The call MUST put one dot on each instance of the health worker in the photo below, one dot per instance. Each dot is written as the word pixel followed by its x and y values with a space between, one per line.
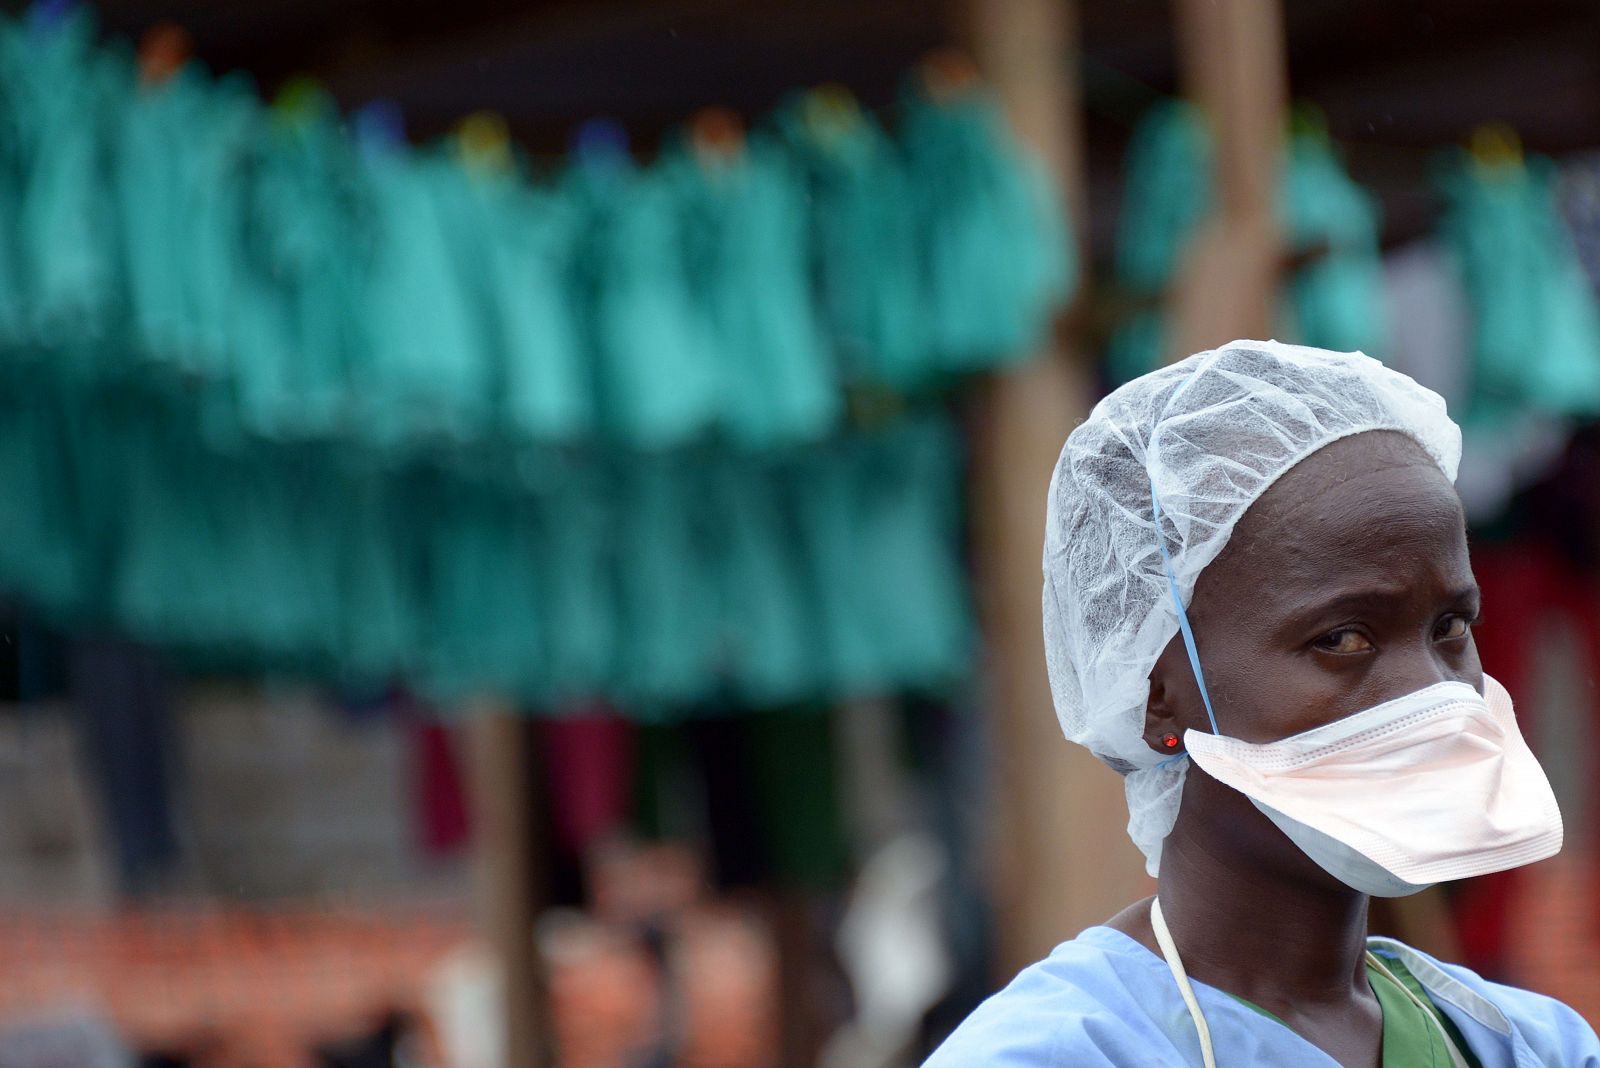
pixel 1258 609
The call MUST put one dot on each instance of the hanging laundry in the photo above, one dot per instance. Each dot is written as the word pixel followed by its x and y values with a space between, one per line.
pixel 745 255
pixel 58 93
pixel 520 241
pixel 1336 299
pixel 1536 327
pixel 120 693
pixel 864 254
pixel 879 521
pixel 1333 301
pixel 769 625
pixel 481 564
pixel 657 382
pixel 283 395
pixel 304 235
pixel 425 365
pixel 45 552
pixel 1167 188
pixel 667 650
pixel 1578 194
pixel 587 755
pixel 1431 329
pixel 997 254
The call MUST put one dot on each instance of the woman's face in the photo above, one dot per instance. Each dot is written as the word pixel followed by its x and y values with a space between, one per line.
pixel 1345 585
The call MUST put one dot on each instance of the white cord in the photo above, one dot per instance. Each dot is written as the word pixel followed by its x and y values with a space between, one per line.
pixel 1169 950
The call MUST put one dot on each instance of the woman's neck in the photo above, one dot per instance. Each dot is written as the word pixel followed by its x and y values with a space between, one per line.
pixel 1277 938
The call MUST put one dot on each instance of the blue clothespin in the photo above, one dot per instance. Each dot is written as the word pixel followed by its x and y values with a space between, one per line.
pixel 379 127
pixel 46 16
pixel 601 144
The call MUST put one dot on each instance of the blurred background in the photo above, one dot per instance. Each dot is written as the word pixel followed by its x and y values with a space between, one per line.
pixel 519 522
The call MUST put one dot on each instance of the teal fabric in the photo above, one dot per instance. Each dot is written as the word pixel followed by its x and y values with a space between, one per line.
pixel 656 375
pixel 276 400
pixel 864 241
pixel 307 291
pixel 60 91
pixel 657 581
pixel 1167 191
pixel 1536 330
pixel 1335 301
pixel 744 237
pixel 992 232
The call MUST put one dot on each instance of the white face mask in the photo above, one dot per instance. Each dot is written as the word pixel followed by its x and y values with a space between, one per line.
pixel 1435 785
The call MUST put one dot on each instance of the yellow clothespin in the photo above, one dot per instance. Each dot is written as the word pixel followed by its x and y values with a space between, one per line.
pixel 301 101
pixel 1495 148
pixel 1307 119
pixel 830 111
pixel 483 143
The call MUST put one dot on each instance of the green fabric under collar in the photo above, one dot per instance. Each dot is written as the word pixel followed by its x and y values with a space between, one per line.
pixel 1409 1038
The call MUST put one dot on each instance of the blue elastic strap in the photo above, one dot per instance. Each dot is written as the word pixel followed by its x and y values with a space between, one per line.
pixel 1183 620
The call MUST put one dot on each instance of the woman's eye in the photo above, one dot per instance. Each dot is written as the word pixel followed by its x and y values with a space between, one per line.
pixel 1344 641
pixel 1454 627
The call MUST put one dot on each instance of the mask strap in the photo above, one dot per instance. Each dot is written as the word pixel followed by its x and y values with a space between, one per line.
pixel 1183 617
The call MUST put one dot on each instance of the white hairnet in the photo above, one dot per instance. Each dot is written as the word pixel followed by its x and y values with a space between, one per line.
pixel 1211 434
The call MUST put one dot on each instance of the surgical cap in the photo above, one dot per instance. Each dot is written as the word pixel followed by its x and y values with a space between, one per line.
pixel 1208 435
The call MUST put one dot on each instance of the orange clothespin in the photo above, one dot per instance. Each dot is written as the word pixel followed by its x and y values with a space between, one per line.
pixel 483 143
pixel 163 50
pixel 946 74
pixel 717 135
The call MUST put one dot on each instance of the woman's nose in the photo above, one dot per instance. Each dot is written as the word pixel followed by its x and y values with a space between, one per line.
pixel 1428 663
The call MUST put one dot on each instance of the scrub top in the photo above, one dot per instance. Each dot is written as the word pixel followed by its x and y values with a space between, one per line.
pixel 1105 999
pixel 1410 1040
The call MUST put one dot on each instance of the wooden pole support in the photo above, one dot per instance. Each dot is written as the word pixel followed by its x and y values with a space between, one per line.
pixel 1063 860
pixel 1234 69
pixel 509 876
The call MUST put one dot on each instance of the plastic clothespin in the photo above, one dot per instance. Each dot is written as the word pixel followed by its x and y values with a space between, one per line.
pixel 483 143
pixel 1307 119
pixel 601 145
pixel 830 111
pixel 300 101
pixel 163 50
pixel 947 74
pixel 717 134
pixel 380 128
pixel 46 16
pixel 1495 148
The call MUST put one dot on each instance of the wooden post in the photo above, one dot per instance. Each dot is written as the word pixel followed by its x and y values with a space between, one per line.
pixel 1235 69
pixel 1233 62
pixel 1064 860
pixel 504 839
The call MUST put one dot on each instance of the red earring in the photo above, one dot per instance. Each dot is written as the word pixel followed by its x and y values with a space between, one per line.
pixel 1169 740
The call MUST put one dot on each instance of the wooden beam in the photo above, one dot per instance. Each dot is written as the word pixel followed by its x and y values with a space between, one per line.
pixel 509 876
pixel 1064 862
pixel 1233 64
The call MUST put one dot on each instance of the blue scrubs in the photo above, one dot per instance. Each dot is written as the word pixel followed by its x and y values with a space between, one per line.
pixel 1104 999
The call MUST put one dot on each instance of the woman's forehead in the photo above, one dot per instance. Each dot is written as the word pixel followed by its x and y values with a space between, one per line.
pixel 1372 504
pixel 1376 475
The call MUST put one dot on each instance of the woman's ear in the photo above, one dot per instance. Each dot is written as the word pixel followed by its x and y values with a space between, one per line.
pixel 1161 723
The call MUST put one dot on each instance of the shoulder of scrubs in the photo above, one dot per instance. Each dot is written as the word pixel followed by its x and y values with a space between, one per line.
pixel 1503 1024
pixel 1104 999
